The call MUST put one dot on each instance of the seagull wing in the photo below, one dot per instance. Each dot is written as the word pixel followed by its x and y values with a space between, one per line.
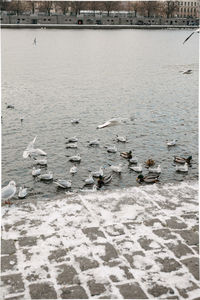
pixel 189 37
pixel 31 144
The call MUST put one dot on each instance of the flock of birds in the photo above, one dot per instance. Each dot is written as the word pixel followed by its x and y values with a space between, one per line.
pixel 38 157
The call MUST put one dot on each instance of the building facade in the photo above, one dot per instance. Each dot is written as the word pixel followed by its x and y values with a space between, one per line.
pixel 188 9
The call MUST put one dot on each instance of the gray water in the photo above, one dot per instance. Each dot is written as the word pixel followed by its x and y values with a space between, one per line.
pixel 95 75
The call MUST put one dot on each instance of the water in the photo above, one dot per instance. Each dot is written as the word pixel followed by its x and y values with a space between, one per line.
pixel 95 75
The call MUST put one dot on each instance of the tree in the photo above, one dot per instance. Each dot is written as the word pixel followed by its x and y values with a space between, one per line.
pixel 46 6
pixel 17 6
pixel 63 5
pixel 93 6
pixel 4 5
pixel 136 6
pixel 149 8
pixel 108 6
pixel 169 8
pixel 77 6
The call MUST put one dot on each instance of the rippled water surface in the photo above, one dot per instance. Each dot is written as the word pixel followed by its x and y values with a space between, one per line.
pixel 95 75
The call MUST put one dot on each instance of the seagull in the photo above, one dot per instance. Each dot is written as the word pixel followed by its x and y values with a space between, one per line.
pixel 138 168
pixel 111 149
pixel 76 158
pixel 75 121
pixel 31 151
pixel 111 122
pixel 73 170
pixel 121 139
pixel 197 30
pixel 8 191
pixel 72 146
pixel 65 184
pixel 171 143
pixel 133 160
pixel 36 172
pixel 10 106
pixel 34 42
pixel 155 170
pixel 187 72
pixel 96 174
pixel 42 162
pixel 89 180
pixel 47 176
pixel 116 169
pixel 95 142
pixel 182 168
pixel 22 192
pixel 72 140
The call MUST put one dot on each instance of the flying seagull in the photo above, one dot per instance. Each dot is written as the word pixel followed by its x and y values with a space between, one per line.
pixel 191 35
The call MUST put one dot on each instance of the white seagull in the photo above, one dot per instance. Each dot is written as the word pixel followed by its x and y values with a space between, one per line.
pixel 73 139
pixel 137 168
pixel 65 184
pixel 111 149
pixel 36 172
pixel 182 168
pixel 95 142
pixel 133 160
pixel 75 121
pixel 111 122
pixel 47 176
pixel 155 170
pixel 116 169
pixel 8 191
pixel 76 158
pixel 171 143
pixel 89 180
pixel 196 31
pixel 121 139
pixel 42 162
pixel 31 151
pixel 96 174
pixel 22 192
pixel 72 146
pixel 73 170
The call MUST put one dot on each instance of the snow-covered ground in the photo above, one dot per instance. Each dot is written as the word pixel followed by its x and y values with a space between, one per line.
pixel 140 242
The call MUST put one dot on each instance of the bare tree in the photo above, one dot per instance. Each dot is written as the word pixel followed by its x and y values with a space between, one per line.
pixel 136 7
pixel 93 6
pixel 77 6
pixel 63 5
pixel 17 6
pixel 108 6
pixel 148 8
pixel 46 6
pixel 4 5
pixel 169 8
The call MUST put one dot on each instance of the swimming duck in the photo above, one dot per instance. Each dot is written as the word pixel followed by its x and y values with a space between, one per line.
pixel 148 178
pixel 22 193
pixel 155 170
pixel 150 162
pixel 137 168
pixel 127 155
pixel 103 180
pixel 182 160
pixel 183 168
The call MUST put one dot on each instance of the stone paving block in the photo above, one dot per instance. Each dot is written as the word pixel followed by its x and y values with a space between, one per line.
pixel 191 238
pixel 43 290
pixel 27 254
pixel 164 233
pixel 114 230
pixel 127 272
pixel 7 247
pixel 8 262
pixel 193 265
pixel 27 241
pixel 74 292
pixel 67 274
pixel 13 282
pixel 132 291
pixel 180 249
pixel 96 288
pixel 56 255
pixel 151 222
pixel 175 223
pixel 158 290
pixel 86 263
pixel 110 252
pixel 145 243
pixel 93 233
pixel 168 264
pixel 184 292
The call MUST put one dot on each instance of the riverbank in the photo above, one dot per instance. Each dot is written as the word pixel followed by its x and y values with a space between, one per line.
pixel 82 26
pixel 135 243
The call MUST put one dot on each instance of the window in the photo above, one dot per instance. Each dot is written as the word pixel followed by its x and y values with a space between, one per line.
pixel 126 20
pixel 188 10
pixel 49 19
pixel 23 19
pixel 191 10
pixel 44 19
pixel 191 3
pixel 188 3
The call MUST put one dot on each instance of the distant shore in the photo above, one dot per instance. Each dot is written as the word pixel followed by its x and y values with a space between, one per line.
pixel 75 26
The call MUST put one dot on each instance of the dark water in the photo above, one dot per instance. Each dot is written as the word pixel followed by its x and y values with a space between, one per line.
pixel 95 75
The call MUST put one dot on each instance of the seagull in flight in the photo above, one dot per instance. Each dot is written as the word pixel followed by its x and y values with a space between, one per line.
pixel 191 35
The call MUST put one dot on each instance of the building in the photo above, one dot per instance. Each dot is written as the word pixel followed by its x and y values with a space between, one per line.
pixel 188 9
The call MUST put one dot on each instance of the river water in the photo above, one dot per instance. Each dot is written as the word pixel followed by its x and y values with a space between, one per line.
pixel 94 75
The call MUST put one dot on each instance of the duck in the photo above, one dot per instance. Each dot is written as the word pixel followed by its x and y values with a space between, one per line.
pixel 171 143
pixel 76 158
pixel 111 149
pixel 36 172
pixel 137 168
pixel 75 121
pixel 107 179
pixel 22 193
pixel 133 160
pixel 97 173
pixel 183 168
pixel 89 180
pixel 46 177
pixel 121 139
pixel 95 142
pixel 127 155
pixel 155 170
pixel 73 170
pixel 150 178
pixel 150 162
pixel 71 145
pixel 182 160
pixel 116 169
pixel 65 184
pixel 7 192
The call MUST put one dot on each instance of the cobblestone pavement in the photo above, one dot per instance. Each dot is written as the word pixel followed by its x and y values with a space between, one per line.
pixel 136 244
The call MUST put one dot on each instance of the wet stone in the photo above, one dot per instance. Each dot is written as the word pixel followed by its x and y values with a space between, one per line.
pixel 184 292
pixel 8 247
pixel 27 241
pixel 180 249
pixel 8 262
pixel 164 233
pixel 96 288
pixel 86 263
pixel 74 292
pixel 174 223
pixel 152 222
pixel 57 254
pixel 27 253
pixel 168 264
pixel 113 230
pixel 131 291
pixel 191 238
pixel 114 278
pixel 127 272
pixel 32 277
pixel 67 274
pixel 93 233
pixel 42 291
pixel 145 243
pixel 110 251
pixel 193 265
pixel 13 282
pixel 158 290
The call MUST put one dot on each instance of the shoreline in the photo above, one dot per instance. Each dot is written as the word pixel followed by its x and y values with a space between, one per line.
pixel 76 26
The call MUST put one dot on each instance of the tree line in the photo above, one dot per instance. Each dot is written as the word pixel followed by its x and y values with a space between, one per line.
pixel 144 8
